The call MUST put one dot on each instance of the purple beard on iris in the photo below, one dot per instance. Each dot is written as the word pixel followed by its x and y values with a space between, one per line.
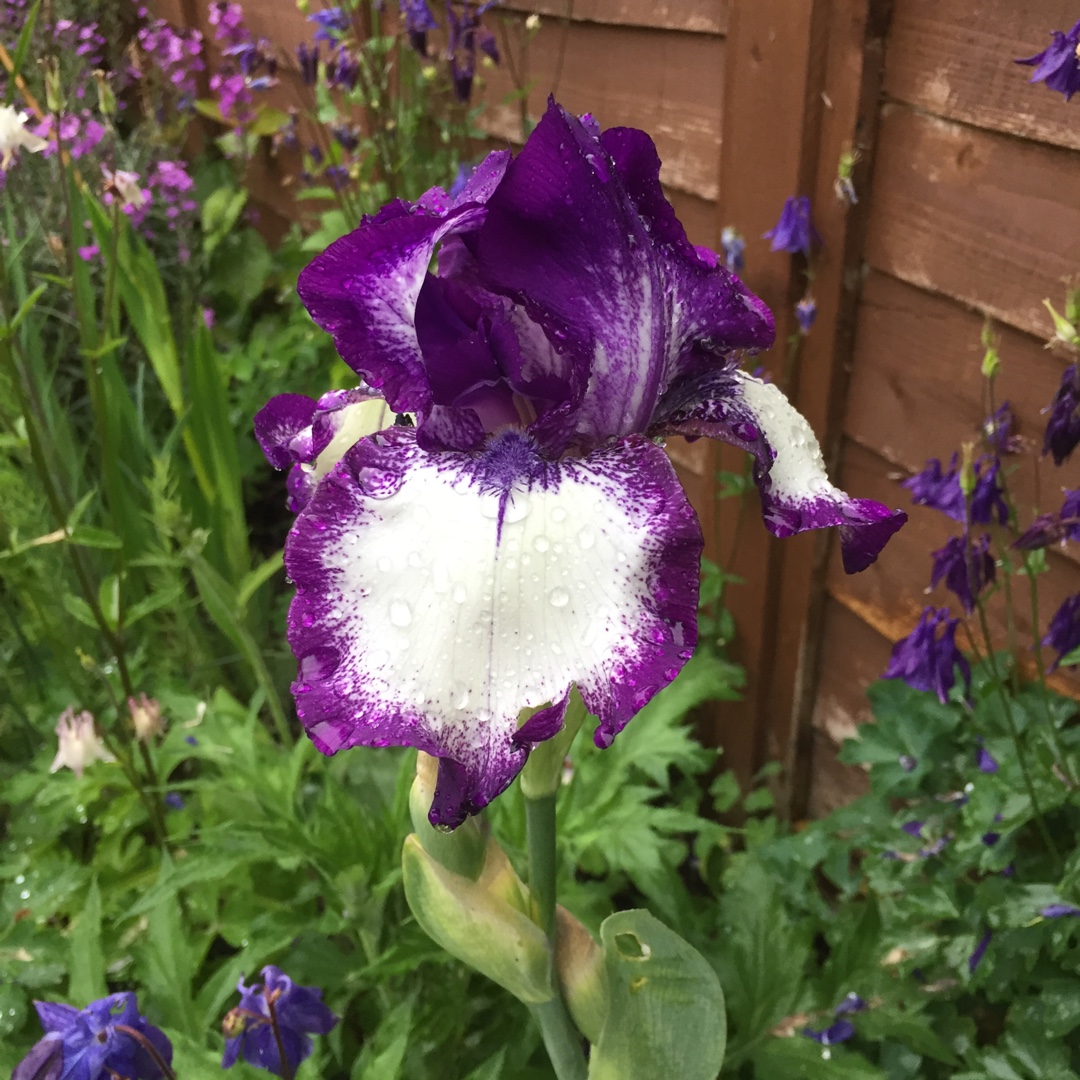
pixel 528 535
pixel 927 660
pixel 1058 65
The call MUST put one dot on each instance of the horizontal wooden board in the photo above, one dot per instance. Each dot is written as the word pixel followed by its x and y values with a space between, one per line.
pixel 668 83
pixel 917 392
pixel 891 594
pixel 987 219
pixel 955 58
pixel 698 16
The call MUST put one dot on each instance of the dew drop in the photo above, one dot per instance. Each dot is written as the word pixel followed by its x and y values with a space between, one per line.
pixel 558 514
pixel 558 597
pixel 541 543
pixel 586 538
pixel 400 615
pixel 384 564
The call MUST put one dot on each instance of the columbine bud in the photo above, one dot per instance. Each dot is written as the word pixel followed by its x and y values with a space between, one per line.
pixel 54 90
pixel 146 717
pixel 79 743
pixel 532 23
pixel 106 97
pixel 991 360
pixel 1064 330
pixel 968 479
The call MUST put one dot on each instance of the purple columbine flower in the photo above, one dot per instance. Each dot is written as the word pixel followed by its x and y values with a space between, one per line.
pixel 418 21
pixel 990 838
pixel 106 1039
pixel 308 59
pixel 966 568
pixel 1058 911
pixel 839 1032
pixel 1058 65
pixel 913 828
pixel 1063 633
pixel 528 534
pixel 1063 427
pixel 926 659
pixel 980 951
pixel 466 35
pixel 941 490
pixel 330 23
pixel 852 1003
pixel 1049 529
pixel 794 232
pixel 999 431
pixel 806 313
pixel 985 761
pixel 296 1012
pixel 908 763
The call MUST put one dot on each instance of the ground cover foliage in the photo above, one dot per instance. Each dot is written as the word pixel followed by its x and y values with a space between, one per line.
pixel 926 930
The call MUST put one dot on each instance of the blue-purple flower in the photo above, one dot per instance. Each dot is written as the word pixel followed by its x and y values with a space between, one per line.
pixel 980 951
pixel 1063 633
pixel 330 24
pixel 1058 65
pixel 274 1018
pixel 733 245
pixel 527 535
pixel 999 431
pixel 794 232
pixel 1049 529
pixel 941 490
pixel 106 1039
pixel 837 1032
pixel 1063 427
pixel 1059 911
pixel 806 313
pixel 467 34
pixel 984 760
pixel 966 567
pixel 418 21
pixel 928 657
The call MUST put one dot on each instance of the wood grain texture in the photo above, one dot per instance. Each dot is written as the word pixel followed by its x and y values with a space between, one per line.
pixel 697 16
pixel 669 83
pixel 989 220
pixel 955 58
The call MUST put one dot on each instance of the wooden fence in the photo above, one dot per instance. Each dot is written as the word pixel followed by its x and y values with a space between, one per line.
pixel 969 207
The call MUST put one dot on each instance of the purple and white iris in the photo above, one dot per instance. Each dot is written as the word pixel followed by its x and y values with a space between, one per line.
pixel 529 533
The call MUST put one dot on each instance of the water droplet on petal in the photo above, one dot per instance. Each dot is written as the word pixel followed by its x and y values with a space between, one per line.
pixel 586 538
pixel 558 514
pixel 460 593
pixel 541 543
pixel 400 614
pixel 558 597
pixel 384 564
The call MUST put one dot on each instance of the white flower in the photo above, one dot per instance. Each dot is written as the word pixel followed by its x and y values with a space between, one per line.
pixel 13 134
pixel 79 743
pixel 124 185
pixel 146 717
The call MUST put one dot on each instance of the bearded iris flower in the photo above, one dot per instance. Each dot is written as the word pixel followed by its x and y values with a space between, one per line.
pixel 528 535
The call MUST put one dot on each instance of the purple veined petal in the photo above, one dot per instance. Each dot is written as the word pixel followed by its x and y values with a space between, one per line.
pixel 1058 911
pixel 796 493
pixel 580 234
pixel 45 1060
pixel 363 289
pixel 278 423
pixel 56 1016
pixel 439 595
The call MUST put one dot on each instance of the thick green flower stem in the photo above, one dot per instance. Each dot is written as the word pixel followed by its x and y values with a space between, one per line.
pixel 561 1039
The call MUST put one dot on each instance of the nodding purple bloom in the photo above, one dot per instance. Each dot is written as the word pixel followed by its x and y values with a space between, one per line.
pixel 985 761
pixel 227 19
pixel 928 657
pixel 466 34
pixel 418 21
pixel 966 568
pixel 936 847
pixel 991 838
pixel 980 951
pixel 852 1003
pixel 348 137
pixel 1058 65
pixel 1058 911
pixel 108 1038
pixel 1063 633
pixel 835 1033
pixel 1056 528
pixel 941 490
pixel 331 23
pixel 295 1011
pixel 1063 427
pixel 908 763
pixel 308 59
pixel 174 800
pixel 733 245
pixel 913 828
pixel 568 324
pixel 794 232
pixel 338 176
pixel 343 70
pixel 999 432
pixel 806 313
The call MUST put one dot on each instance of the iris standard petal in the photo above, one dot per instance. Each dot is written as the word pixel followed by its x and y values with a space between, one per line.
pixel 796 493
pixel 363 289
pixel 440 595
pixel 579 234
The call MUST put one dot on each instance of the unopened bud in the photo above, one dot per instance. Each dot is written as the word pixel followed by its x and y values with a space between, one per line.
pixel 967 469
pixel 106 97
pixel 1064 329
pixel 579 962
pixel 991 362
pixel 473 921
pixel 54 90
